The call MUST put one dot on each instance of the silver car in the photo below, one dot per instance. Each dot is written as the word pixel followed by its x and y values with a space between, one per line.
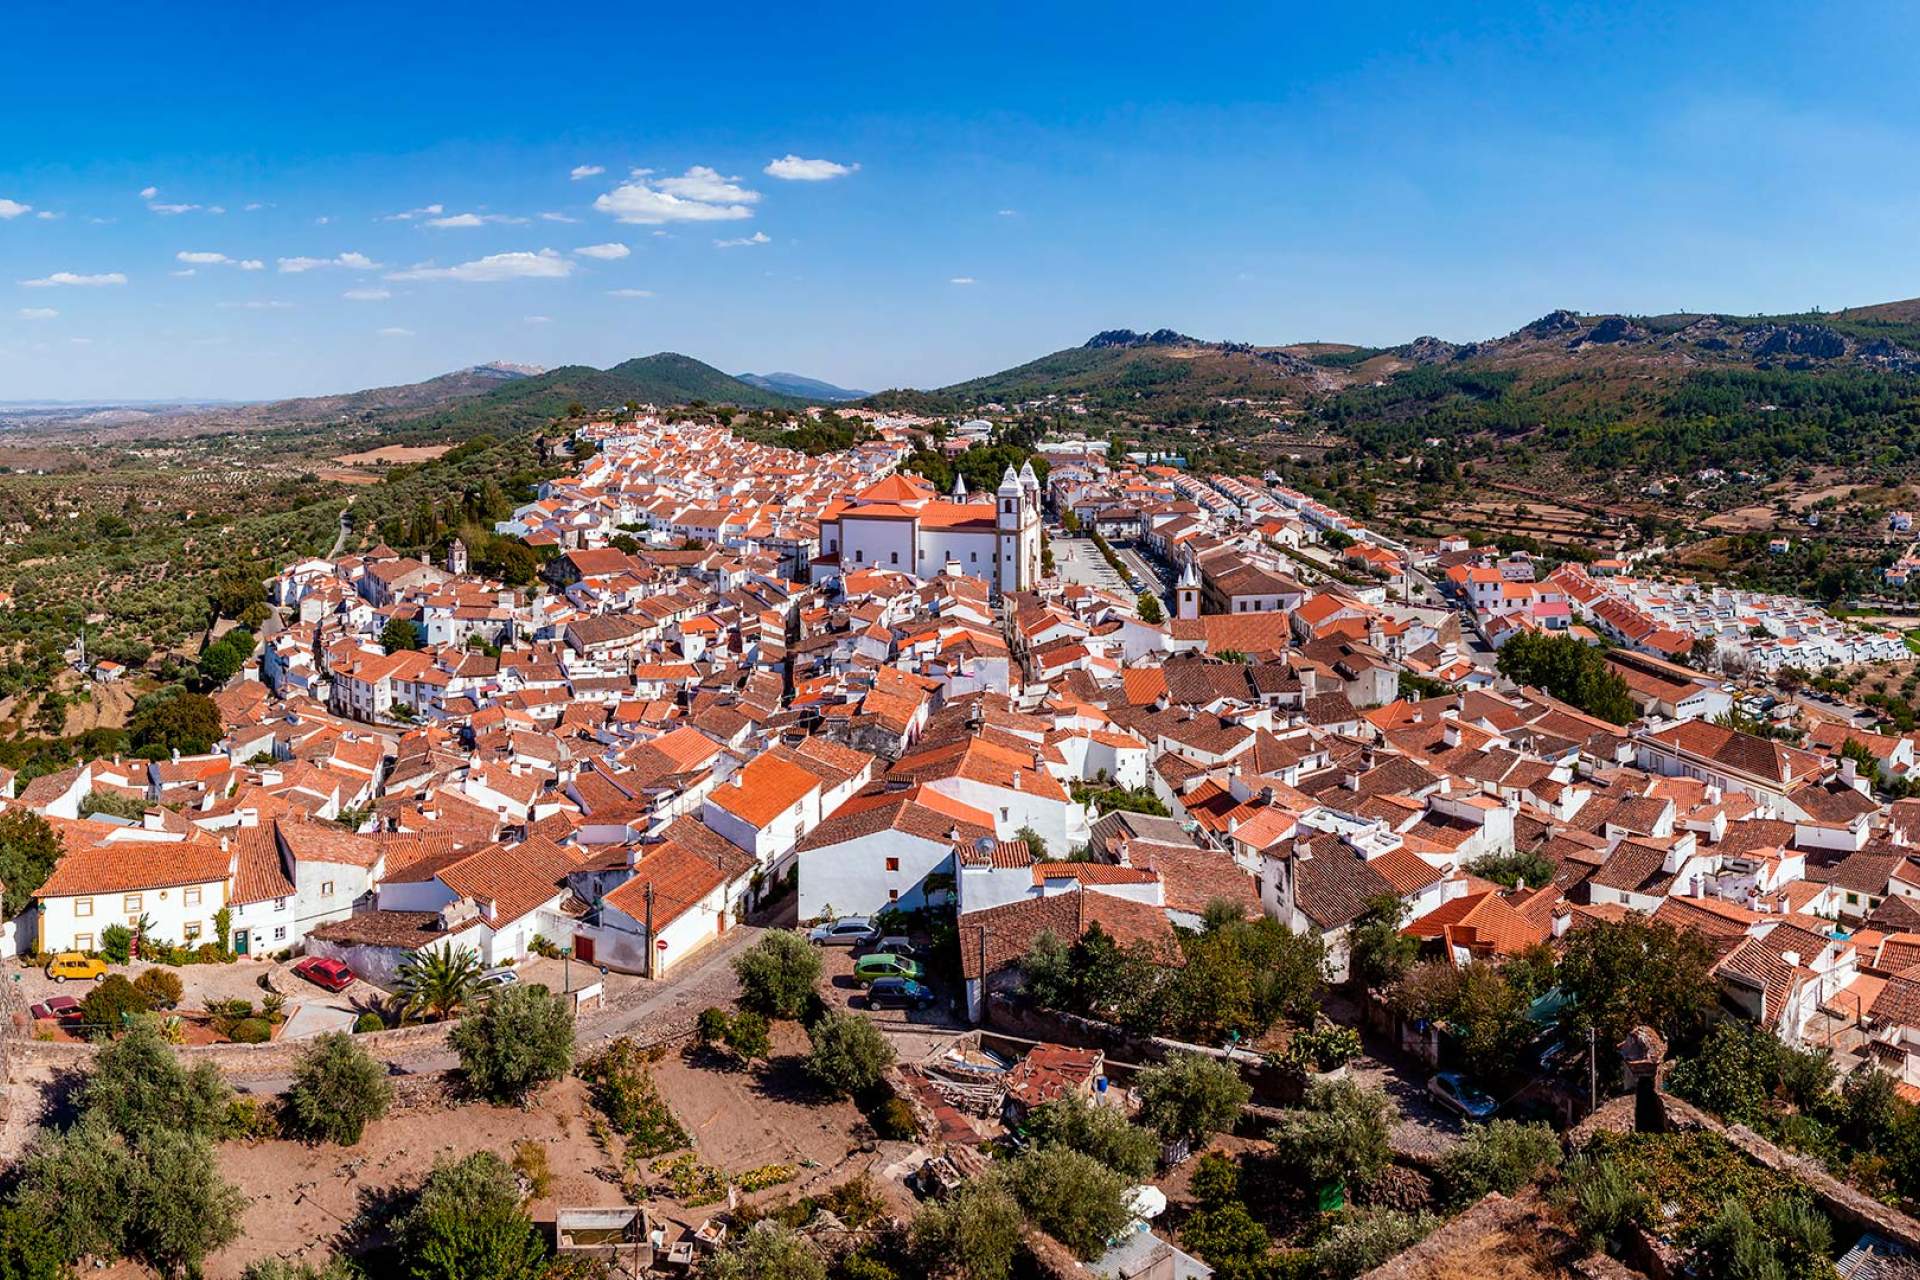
pixel 847 931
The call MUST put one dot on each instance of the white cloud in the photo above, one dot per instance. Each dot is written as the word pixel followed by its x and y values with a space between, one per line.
pixel 48 215
pixel 544 265
pixel 257 304
pixel 394 331
pixel 580 171
pixel 148 193
pixel 71 278
pixel 698 195
pixel 472 220
pixel 539 319
pixel 608 252
pixel 629 293
pixel 81 342
pixel 322 220
pixel 758 237
pixel 37 313
pixel 367 295
pixel 252 206
pixel 351 261
pixel 205 259
pixel 171 210
pixel 1009 213
pixel 557 217
pixel 10 209
pixel 795 169
pixel 184 272
pixel 961 280
pixel 424 211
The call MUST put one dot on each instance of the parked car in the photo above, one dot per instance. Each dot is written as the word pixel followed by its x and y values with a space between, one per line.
pixel 72 966
pixel 898 993
pixel 882 964
pixel 322 972
pixel 847 931
pixel 895 945
pixel 61 1007
pixel 1456 1094
pixel 493 979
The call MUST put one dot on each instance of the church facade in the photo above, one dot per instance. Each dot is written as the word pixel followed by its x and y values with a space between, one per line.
pixel 901 523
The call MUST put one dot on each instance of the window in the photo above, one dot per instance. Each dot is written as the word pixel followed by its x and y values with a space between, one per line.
pixel 859 553
pixel 83 942
pixel 190 897
pixel 280 934
pixel 893 864
pixel 131 904
pixel 192 930
pixel 326 888
pixel 83 907
pixel 1852 899
pixel 894 556
pixel 893 895
pixel 973 557
pixel 279 904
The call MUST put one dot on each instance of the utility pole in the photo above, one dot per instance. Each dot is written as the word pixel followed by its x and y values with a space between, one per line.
pixel 1593 1076
pixel 650 939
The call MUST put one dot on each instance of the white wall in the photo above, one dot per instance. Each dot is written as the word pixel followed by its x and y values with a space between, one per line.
pixel 851 878
pixel 76 923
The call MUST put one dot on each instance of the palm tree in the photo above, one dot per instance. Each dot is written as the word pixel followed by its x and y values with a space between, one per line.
pixel 438 983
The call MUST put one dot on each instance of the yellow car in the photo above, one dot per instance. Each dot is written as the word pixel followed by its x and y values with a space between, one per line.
pixel 72 965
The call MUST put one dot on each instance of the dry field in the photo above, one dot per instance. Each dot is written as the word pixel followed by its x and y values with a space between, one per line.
pixel 393 455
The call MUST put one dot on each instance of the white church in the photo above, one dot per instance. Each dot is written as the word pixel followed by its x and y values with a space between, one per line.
pixel 901 523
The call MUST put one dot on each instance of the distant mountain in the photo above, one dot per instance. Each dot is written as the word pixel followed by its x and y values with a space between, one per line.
pixel 800 386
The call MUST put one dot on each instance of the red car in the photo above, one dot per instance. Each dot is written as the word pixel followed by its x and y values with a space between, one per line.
pixel 61 1007
pixel 322 972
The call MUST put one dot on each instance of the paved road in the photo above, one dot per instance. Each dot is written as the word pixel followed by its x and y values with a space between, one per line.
pixel 340 542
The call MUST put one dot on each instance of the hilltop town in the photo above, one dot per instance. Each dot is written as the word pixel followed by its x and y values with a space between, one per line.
pixel 1144 795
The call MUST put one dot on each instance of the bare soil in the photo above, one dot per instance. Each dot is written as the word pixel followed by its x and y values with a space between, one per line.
pixel 393 455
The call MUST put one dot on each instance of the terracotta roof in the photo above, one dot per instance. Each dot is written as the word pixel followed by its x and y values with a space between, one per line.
pixel 993 939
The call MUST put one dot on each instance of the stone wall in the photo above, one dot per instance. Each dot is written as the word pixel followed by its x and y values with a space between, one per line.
pixel 238 1061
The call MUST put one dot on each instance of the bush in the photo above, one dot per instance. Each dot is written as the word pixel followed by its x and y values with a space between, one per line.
pixel 116 944
pixel 1366 1240
pixel 1228 1238
pixel 711 1027
pixel 1072 1197
pixel 337 1089
pixel 624 1090
pixel 893 1120
pixel 1340 1132
pixel 111 1003
pixel 252 1031
pixel 369 1021
pixel 521 1038
pixel 1603 1200
pixel 281 1269
pixel 766 1252
pixel 1191 1097
pixel 778 975
pixel 850 1055
pixel 162 988
pixel 1503 1156
pixel 1104 1133
pixel 749 1036
pixel 468 1225
pixel 973 1233
pixel 138 1087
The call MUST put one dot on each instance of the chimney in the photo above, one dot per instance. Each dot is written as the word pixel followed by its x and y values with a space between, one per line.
pixel 1016 781
pixel 1123 851
pixel 1792 959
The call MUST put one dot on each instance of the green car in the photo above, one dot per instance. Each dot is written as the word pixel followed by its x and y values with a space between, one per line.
pixel 882 965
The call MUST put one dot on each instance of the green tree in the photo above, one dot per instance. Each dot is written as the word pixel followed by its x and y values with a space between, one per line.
pixel 521 1037
pixel 850 1055
pixel 1230 1240
pixel 1339 1132
pixel 1104 1133
pixel 281 1269
pixel 29 848
pixel 1150 610
pixel 1242 976
pixel 1502 1156
pixel 749 1036
pixel 766 1251
pixel 28 1248
pixel 138 1087
pixel 174 720
pixel 1379 954
pixel 183 1209
pixel 439 982
pixel 1570 670
pixel 1190 1097
pixel 1637 972
pixel 337 1088
pixel 399 634
pixel 1072 1197
pixel 1364 1241
pixel 778 975
pixel 1733 1074
pixel 973 1234
pixel 468 1225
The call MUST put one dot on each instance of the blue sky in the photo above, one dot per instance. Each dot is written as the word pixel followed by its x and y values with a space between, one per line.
pixel 963 189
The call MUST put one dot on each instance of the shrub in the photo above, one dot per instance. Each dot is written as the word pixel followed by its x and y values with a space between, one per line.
pixel 162 988
pixel 893 1120
pixel 521 1038
pixel 849 1056
pixel 530 1162
pixel 116 944
pixel 1228 1238
pixel 337 1089
pixel 252 1031
pixel 1603 1199
pixel 281 1269
pixel 110 1005
pixel 468 1225
pixel 138 1087
pixel 749 1036
pixel 1339 1133
pixel 766 1252
pixel 1215 1181
pixel 1104 1133
pixel 711 1027
pixel 1503 1156
pixel 1191 1097
pixel 624 1090
pixel 1072 1197
pixel 1366 1240
pixel 778 975
pixel 973 1233
pixel 369 1021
